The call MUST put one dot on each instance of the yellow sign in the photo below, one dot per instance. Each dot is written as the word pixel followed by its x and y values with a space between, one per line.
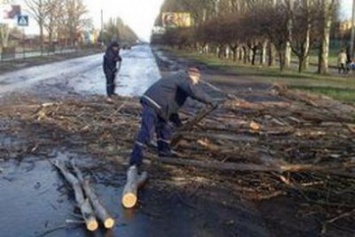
pixel 176 19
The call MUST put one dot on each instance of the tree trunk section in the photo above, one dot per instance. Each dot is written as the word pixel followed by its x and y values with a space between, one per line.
pixel 84 204
pixel 272 53
pixel 324 49
pixel 282 60
pixel 263 53
pixel 100 210
pixel 134 181
pixel 287 57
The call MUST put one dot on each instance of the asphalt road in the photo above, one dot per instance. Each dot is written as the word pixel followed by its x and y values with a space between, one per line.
pixel 85 75
pixel 35 201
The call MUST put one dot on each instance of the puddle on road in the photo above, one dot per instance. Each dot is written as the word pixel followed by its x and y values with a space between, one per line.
pixel 36 198
pixel 138 71
pixel 36 201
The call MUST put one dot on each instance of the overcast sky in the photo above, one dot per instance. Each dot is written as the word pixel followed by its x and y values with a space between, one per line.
pixel 141 14
pixel 346 8
pixel 138 14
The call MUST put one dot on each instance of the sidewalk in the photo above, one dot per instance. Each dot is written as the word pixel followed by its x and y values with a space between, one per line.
pixel 30 54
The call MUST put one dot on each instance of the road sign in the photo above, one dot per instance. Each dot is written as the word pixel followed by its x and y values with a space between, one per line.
pixel 22 20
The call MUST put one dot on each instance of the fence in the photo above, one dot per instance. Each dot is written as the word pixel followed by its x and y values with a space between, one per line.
pixel 18 53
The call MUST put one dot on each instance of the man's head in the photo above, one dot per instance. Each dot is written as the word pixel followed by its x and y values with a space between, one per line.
pixel 115 46
pixel 194 74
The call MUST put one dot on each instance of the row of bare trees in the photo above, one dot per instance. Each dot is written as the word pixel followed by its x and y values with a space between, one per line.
pixel 251 29
pixel 64 20
pixel 61 19
pixel 115 29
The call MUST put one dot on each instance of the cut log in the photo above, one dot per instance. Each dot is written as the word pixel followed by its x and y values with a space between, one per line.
pixel 84 204
pixel 216 165
pixel 134 181
pixel 266 167
pixel 221 136
pixel 100 210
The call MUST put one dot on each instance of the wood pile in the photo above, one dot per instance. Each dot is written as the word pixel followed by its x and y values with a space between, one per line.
pixel 87 201
pixel 298 144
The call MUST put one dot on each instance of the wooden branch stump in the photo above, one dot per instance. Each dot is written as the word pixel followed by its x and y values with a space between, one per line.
pixel 100 210
pixel 84 204
pixel 134 181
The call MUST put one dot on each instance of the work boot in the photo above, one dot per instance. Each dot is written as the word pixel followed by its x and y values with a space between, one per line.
pixel 135 166
pixel 109 100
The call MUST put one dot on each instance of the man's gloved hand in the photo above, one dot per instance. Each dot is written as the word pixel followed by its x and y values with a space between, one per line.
pixel 175 119
pixel 214 104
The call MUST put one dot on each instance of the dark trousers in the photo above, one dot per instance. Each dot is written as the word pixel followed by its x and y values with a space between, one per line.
pixel 151 123
pixel 110 83
pixel 342 67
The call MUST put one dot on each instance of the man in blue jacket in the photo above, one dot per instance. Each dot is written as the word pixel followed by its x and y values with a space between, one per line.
pixel 161 103
pixel 111 58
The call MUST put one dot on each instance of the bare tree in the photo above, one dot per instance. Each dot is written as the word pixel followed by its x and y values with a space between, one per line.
pixel 4 35
pixel 54 10
pixel 4 28
pixel 38 10
pixel 75 11
pixel 116 30
pixel 274 28
pixel 327 7
pixel 248 26
pixel 304 17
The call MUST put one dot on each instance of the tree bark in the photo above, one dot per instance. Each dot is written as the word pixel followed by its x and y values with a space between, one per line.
pixel 272 53
pixel 287 56
pixel 324 49
pixel 100 210
pixel 83 203
pixel 263 53
pixel 134 181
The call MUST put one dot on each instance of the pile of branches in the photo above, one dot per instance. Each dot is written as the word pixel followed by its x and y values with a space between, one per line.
pixel 299 144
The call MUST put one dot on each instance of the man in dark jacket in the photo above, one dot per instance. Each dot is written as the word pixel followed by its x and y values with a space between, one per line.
pixel 161 103
pixel 111 58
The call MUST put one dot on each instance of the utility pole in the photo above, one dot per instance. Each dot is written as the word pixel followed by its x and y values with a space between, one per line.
pixel 102 20
pixel 352 32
